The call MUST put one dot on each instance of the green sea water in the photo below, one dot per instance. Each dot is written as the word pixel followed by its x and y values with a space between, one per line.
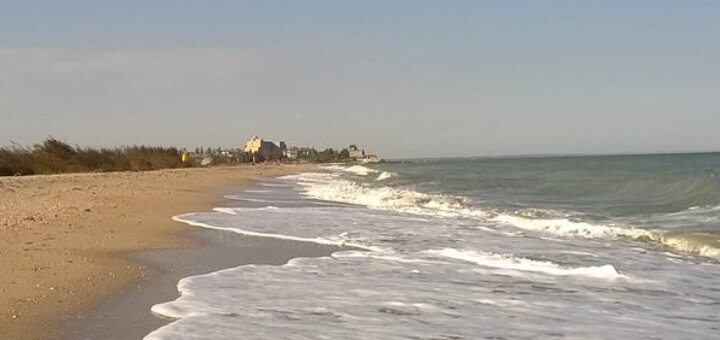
pixel 675 195
pixel 610 247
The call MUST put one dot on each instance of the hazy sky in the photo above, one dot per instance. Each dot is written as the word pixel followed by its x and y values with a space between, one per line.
pixel 402 78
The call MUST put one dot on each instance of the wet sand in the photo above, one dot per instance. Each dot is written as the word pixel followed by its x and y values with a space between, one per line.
pixel 127 315
pixel 65 239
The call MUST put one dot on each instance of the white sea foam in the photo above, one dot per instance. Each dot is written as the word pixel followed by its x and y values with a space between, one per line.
pixel 355 169
pixel 567 227
pixel 305 177
pixel 387 198
pixel 187 218
pixel 521 264
pixel 330 188
pixel 402 290
pixel 386 175
pixel 707 245
pixel 361 170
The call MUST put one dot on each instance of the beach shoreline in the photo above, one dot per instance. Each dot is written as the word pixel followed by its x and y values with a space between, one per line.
pixel 215 250
pixel 65 239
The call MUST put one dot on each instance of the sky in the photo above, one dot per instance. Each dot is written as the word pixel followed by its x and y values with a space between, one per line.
pixel 402 79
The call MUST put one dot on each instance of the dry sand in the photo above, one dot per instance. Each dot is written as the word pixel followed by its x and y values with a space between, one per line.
pixel 63 237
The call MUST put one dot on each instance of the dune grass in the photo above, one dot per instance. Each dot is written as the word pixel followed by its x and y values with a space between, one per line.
pixel 53 156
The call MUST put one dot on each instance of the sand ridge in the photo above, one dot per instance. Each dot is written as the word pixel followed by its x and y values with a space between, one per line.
pixel 61 235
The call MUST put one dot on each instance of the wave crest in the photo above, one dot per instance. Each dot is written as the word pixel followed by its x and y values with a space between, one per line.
pixel 385 198
pixel 568 227
pixel 704 244
pixel 332 187
pixel 355 169
pixel 510 262
pixel 385 175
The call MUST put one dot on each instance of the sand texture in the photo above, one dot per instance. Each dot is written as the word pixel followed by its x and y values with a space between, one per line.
pixel 63 237
pixel 127 315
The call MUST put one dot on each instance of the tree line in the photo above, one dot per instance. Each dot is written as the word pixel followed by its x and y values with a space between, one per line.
pixel 328 155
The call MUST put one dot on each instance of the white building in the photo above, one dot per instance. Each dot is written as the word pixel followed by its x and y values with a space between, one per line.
pixel 355 152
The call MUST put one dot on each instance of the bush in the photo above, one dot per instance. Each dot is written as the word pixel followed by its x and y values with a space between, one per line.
pixel 53 156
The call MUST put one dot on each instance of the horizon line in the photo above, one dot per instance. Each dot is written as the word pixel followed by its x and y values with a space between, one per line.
pixel 563 155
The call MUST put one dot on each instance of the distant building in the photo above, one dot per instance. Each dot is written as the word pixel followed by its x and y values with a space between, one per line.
pixel 359 155
pixel 371 159
pixel 292 153
pixel 295 152
pixel 356 153
pixel 267 150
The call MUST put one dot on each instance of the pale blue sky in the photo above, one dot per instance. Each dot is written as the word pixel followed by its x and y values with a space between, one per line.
pixel 402 78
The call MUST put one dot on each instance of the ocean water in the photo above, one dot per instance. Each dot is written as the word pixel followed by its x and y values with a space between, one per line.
pixel 615 247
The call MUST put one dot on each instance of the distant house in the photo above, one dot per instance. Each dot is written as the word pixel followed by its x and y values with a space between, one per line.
pixel 267 150
pixel 355 152
pixel 295 152
pixel 359 155
pixel 371 159
pixel 292 152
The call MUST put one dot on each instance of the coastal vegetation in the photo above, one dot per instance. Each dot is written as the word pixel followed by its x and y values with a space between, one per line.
pixel 303 155
pixel 328 155
pixel 53 156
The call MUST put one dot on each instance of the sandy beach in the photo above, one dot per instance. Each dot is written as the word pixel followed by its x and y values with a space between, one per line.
pixel 127 315
pixel 65 239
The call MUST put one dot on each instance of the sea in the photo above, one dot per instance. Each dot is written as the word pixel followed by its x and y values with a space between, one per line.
pixel 601 247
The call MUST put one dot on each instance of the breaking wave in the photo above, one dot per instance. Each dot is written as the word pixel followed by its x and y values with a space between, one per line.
pixel 513 263
pixel 384 198
pixel 355 169
pixel 568 227
pixel 385 175
pixel 332 187
pixel 700 243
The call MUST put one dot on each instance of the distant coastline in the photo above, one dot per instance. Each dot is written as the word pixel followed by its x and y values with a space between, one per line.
pixel 53 156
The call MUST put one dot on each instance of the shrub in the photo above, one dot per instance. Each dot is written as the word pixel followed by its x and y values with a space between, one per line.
pixel 54 156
